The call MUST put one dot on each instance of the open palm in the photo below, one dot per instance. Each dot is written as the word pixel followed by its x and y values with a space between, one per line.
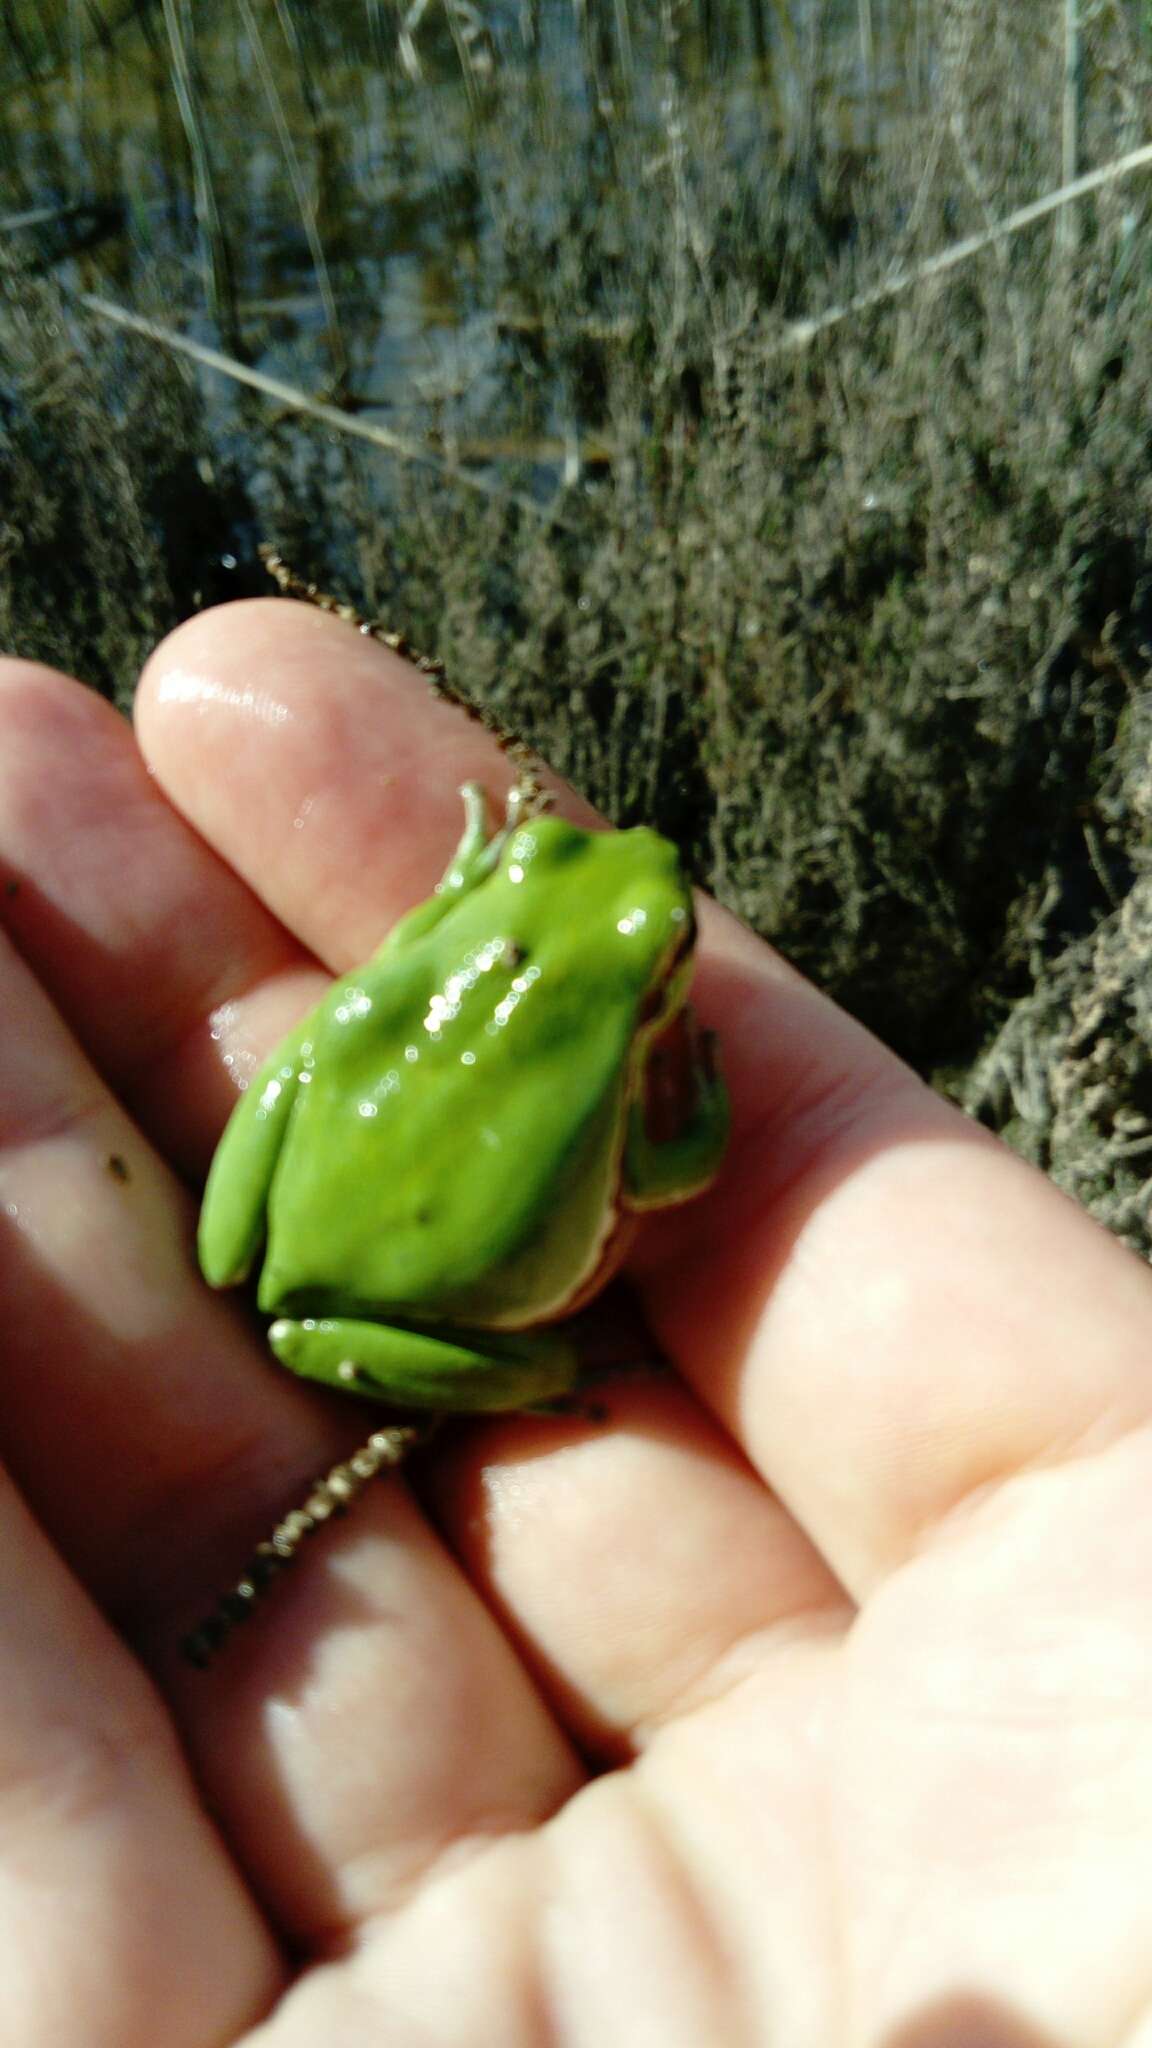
pixel 806 1701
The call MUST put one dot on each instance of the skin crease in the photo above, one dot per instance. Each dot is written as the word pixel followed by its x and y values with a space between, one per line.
pixel 805 1701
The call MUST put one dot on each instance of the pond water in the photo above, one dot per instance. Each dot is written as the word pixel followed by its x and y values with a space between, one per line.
pixel 399 207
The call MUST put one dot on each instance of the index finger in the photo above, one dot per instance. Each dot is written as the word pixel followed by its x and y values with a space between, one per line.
pixel 886 1308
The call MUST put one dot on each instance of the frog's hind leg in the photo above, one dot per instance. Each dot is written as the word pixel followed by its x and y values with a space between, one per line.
pixel 451 1371
pixel 465 1373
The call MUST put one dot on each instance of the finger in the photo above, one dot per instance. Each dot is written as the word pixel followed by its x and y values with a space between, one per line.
pixel 907 1312
pixel 125 1383
pixel 78 876
pixel 118 1902
pixel 898 1312
pixel 137 930
pixel 371 1725
pixel 332 788
pixel 200 1447
pixel 380 1717
pixel 412 1729
pixel 639 1563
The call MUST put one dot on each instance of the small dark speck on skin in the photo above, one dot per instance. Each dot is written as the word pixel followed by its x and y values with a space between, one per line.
pixel 118 1167
pixel 12 886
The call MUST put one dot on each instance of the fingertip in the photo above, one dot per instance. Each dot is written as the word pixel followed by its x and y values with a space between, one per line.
pixel 36 698
pixel 261 660
pixel 316 761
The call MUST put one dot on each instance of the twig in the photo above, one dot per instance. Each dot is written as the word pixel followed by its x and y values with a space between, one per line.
pixel 800 332
pixel 295 400
pixel 332 1495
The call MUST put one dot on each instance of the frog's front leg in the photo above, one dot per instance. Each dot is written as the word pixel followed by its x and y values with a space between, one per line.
pixel 449 1371
pixel 678 1126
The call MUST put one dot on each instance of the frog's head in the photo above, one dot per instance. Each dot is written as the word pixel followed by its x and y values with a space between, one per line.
pixel 615 903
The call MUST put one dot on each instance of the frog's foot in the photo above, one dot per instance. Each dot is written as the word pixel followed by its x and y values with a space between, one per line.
pixel 482 841
pixel 452 1372
pixel 527 797
pixel 332 1495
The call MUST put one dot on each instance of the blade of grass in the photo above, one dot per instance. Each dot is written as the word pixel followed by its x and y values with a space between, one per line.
pixel 799 333
pixel 305 202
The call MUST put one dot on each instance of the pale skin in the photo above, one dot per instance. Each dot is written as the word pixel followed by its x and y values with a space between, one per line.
pixel 806 1700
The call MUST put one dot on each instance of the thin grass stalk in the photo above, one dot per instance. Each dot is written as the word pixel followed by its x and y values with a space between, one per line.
pixel 758 31
pixel 812 74
pixel 865 32
pixel 375 19
pixel 216 266
pixel 305 201
pixel 467 30
pixel 1071 126
pixel 624 37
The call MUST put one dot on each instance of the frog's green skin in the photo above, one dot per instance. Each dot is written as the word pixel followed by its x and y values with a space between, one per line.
pixel 438 1159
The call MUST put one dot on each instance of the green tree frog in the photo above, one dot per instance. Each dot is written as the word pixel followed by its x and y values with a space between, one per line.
pixel 442 1161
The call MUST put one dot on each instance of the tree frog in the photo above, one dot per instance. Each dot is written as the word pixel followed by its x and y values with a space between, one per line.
pixel 442 1161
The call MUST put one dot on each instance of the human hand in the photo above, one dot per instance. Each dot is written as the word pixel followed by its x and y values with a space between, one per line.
pixel 805 1703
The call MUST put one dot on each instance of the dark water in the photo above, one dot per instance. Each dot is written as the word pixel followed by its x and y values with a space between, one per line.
pixel 382 203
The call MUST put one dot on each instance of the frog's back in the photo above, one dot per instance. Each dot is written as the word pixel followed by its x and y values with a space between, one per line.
pixel 454 1151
